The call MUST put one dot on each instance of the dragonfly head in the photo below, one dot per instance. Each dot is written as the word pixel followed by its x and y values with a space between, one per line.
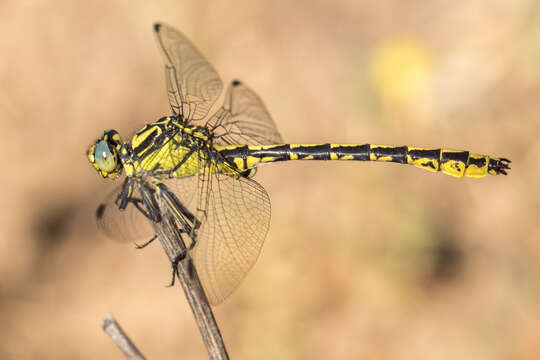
pixel 103 154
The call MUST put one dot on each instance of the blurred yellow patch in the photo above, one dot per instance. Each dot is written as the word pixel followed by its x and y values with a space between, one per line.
pixel 401 70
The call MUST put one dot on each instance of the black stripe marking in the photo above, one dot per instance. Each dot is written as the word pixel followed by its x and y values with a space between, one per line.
pixel 359 152
pixel 147 142
pixel 278 152
pixel 397 154
pixel 461 156
pixel 481 162
pixel 318 152
pixel 236 152
pixel 434 154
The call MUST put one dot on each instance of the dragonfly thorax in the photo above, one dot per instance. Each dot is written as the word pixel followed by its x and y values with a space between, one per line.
pixel 198 132
pixel 166 148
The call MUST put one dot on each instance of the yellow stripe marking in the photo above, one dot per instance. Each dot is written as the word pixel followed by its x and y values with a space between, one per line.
pixel 453 168
pixel 251 161
pixel 239 162
pixel 268 159
pixel 424 163
pixel 475 171
pixel 294 146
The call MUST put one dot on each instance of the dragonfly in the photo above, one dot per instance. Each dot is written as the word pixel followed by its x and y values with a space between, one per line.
pixel 199 168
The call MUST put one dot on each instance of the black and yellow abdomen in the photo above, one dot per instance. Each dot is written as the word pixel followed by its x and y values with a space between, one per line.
pixel 456 163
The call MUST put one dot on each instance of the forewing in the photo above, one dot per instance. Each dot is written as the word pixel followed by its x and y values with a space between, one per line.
pixel 192 83
pixel 243 119
pixel 128 225
pixel 236 221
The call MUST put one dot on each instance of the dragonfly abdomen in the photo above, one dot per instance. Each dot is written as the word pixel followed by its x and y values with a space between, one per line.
pixel 456 163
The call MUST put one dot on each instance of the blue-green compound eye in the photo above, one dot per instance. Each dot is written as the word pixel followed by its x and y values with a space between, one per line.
pixel 105 159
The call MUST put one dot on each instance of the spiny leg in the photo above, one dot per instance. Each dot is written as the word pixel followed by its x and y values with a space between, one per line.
pixel 137 246
pixel 184 221
pixel 146 206
pixel 137 203
pixel 174 263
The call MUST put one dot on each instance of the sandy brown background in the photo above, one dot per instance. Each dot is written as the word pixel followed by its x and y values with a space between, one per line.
pixel 362 261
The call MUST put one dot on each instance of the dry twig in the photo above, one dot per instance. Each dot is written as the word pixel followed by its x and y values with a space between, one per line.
pixel 172 243
pixel 113 329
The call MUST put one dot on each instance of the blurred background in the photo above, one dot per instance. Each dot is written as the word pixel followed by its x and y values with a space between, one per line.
pixel 362 260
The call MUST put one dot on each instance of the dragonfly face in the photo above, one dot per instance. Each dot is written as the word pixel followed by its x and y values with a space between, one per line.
pixel 104 154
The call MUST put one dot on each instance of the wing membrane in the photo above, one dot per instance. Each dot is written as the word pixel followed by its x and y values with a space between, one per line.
pixel 233 211
pixel 128 225
pixel 192 83
pixel 231 237
pixel 243 119
pixel 235 215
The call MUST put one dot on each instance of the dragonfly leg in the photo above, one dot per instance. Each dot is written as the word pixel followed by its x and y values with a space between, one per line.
pixel 187 222
pixel 148 197
pixel 125 195
pixel 137 203
pixel 183 255
pixel 137 246
pixel 174 265
pixel 147 205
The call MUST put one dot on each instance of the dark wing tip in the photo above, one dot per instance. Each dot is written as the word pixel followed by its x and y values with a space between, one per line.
pixel 100 211
pixel 157 27
pixel 236 83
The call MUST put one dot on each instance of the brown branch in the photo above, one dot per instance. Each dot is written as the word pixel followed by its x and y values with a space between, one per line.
pixel 172 243
pixel 113 329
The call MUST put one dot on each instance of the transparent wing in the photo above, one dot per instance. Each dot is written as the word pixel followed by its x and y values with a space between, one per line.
pixel 235 215
pixel 128 225
pixel 232 235
pixel 192 83
pixel 243 119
